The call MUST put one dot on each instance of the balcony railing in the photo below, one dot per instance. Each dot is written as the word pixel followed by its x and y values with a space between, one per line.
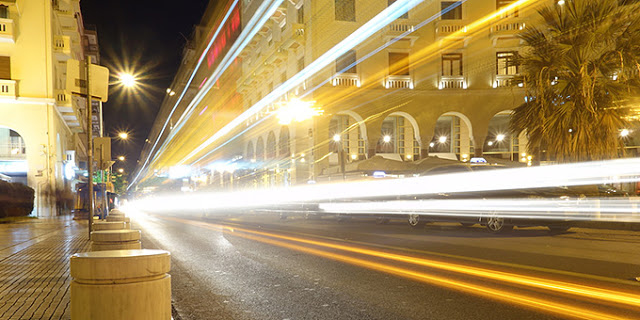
pixel 507 27
pixel 7 88
pixel 6 31
pixel 452 82
pixel 401 26
pixel 62 47
pixel 13 150
pixel 398 82
pixel 346 80
pixel 505 81
pixel 450 27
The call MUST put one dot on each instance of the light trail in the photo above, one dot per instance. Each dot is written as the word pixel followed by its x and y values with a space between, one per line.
pixel 629 300
pixel 186 87
pixel 588 173
pixel 368 29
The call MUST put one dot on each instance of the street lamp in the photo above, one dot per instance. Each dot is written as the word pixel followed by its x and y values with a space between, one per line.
pixel 624 132
pixel 442 139
pixel 386 138
pixel 121 158
pixel 128 80
pixel 336 137
pixel 123 135
pixel 121 170
pixel 500 137
pixel 297 110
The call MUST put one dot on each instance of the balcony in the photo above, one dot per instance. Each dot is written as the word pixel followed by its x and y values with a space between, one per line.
pixel 346 80
pixel 63 101
pixel 293 35
pixel 7 88
pixel 504 33
pixel 455 29
pixel 398 82
pixel 452 82
pixel 62 47
pixel 6 31
pixel 505 81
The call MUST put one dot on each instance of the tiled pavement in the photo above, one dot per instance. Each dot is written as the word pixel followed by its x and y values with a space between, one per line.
pixel 34 267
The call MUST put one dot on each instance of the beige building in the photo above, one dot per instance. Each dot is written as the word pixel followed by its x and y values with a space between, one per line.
pixel 42 126
pixel 433 82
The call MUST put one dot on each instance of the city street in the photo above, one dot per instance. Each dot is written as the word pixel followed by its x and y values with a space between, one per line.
pixel 256 266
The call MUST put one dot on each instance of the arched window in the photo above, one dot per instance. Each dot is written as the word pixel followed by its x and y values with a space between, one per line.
pixel 271 146
pixel 260 149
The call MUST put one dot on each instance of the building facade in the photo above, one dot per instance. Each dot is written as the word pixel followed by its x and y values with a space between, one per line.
pixel 42 126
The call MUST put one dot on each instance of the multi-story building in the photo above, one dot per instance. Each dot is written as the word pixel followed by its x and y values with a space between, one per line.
pixel 440 80
pixel 42 126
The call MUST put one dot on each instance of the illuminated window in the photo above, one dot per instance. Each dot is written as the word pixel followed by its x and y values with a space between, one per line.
pixel 451 10
pixel 503 3
pixel 452 64
pixel 506 63
pixel 347 62
pixel 404 16
pixel 345 10
pixel 398 63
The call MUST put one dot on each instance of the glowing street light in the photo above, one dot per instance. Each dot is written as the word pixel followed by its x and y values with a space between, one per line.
pixel 297 110
pixel 624 132
pixel 123 135
pixel 121 170
pixel 128 80
pixel 336 137
pixel 500 137
pixel 442 139
pixel 386 138
pixel 121 158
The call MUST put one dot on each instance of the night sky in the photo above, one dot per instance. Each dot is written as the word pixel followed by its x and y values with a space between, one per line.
pixel 146 36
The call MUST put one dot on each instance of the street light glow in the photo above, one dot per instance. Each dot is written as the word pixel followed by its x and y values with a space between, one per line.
pixel 121 158
pixel 297 110
pixel 336 137
pixel 442 139
pixel 624 132
pixel 386 138
pixel 128 80
pixel 123 135
pixel 500 137
pixel 121 170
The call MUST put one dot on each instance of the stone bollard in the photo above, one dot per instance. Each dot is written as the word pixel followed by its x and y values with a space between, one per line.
pixel 113 225
pixel 111 218
pixel 115 240
pixel 121 284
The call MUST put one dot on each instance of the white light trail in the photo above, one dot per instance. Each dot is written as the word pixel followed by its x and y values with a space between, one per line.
pixel 372 26
pixel 184 91
pixel 589 173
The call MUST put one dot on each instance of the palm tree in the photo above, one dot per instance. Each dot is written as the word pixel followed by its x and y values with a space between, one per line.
pixel 581 72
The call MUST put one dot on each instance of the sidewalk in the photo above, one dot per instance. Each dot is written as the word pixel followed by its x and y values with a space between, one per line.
pixel 34 267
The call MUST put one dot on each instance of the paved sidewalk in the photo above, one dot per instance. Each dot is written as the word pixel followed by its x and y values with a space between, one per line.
pixel 34 267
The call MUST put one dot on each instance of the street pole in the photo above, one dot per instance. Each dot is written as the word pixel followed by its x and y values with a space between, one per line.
pixel 89 144
pixel 341 160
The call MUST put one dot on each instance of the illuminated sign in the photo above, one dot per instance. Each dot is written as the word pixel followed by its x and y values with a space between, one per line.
pixel 478 160
pixel 228 34
pixel 13 166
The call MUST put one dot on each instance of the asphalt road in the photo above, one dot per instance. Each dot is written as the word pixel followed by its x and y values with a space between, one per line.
pixel 256 266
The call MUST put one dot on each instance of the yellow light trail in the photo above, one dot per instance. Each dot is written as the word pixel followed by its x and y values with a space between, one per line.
pixel 604 295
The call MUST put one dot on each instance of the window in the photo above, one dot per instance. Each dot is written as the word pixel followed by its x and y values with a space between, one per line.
pixel 452 64
pixel 503 3
pixel 398 63
pixel 506 63
pixel 5 68
pixel 346 10
pixel 404 16
pixel 451 10
pixel 4 12
pixel 301 14
pixel 347 63
pixel 300 64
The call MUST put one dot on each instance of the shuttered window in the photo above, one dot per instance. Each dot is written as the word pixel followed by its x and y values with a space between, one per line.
pixel 5 68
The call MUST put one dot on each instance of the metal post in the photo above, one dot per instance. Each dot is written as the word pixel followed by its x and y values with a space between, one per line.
pixel 89 144
pixel 341 160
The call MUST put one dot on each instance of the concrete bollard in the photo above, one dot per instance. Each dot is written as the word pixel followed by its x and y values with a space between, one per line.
pixel 111 218
pixel 121 284
pixel 113 225
pixel 115 240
